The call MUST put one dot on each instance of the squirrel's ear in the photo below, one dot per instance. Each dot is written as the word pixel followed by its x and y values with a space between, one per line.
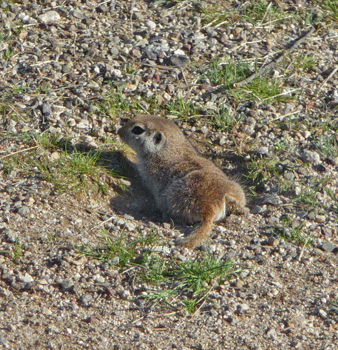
pixel 158 137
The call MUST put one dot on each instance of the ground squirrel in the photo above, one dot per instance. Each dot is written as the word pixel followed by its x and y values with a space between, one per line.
pixel 186 187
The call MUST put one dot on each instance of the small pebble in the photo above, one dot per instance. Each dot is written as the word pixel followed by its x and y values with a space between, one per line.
pixel 50 17
pixel 310 157
pixel 23 211
pixel 86 300
pixel 150 24
pixel 180 61
pixel 257 209
pixel 289 176
pixel 263 151
pixel 272 200
pixel 27 278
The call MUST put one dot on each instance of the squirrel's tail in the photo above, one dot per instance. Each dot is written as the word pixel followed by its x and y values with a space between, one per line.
pixel 199 235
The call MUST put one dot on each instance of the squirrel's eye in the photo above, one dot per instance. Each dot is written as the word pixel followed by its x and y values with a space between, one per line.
pixel 137 130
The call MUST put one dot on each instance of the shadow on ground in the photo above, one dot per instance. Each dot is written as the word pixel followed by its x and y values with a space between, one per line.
pixel 135 201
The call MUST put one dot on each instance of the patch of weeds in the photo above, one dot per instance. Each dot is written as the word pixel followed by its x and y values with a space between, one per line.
pixel 55 161
pixel 252 11
pixel 285 220
pixel 297 236
pixel 327 124
pixel 123 251
pixel 305 61
pixel 256 10
pixel 190 305
pixel 74 171
pixel 182 108
pixel 291 123
pixel 15 253
pixel 6 34
pixel 334 198
pixel 328 145
pixel 20 89
pixel 286 186
pixel 23 137
pixel 154 270
pixel 212 14
pixel 49 141
pixel 264 89
pixel 259 171
pixel 167 3
pixel 148 104
pixel 168 281
pixel 331 194
pixel 115 103
pixel 188 283
pixel 224 118
pixel 260 11
pixel 261 88
pixel 129 68
pixel 8 54
pixel 291 233
pixel 227 74
pixel 9 165
pixel 332 7
pixel 2 36
pixel 334 305
pixel 4 109
pixel 281 146
pixel 308 196
pixel 44 88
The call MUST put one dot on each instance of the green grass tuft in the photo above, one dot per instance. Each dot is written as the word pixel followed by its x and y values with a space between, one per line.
pixel 334 305
pixel 168 281
pixel 52 159
pixel 227 74
pixel 225 119
pixel 332 7
pixel 328 145
pixel 182 108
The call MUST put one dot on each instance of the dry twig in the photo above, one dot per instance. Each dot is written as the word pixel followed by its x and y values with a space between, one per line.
pixel 274 62
pixel 102 223
pixel 327 79
pixel 22 150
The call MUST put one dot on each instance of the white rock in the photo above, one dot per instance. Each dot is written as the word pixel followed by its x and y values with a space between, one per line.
pixel 161 249
pixel 204 129
pixel 50 17
pixel 222 141
pixel 166 96
pixel 179 52
pixel 310 156
pixel 54 156
pixel 98 278
pixel 11 126
pixel 298 191
pixel 27 278
pixel 130 226
pixel 83 124
pixel 151 25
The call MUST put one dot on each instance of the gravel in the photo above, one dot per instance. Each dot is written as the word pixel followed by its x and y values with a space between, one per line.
pixel 68 56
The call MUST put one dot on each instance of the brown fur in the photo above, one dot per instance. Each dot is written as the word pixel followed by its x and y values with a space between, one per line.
pixel 187 187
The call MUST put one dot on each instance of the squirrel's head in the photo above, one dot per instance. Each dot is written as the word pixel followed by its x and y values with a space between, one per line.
pixel 146 135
